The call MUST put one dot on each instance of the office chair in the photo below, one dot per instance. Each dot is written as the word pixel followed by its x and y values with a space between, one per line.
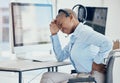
pixel 108 75
pixel 109 70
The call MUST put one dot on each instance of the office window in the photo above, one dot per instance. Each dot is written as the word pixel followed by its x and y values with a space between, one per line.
pixel 4 25
pixel 5 35
pixel 5 19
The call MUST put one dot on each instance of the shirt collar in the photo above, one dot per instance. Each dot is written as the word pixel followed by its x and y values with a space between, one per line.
pixel 77 30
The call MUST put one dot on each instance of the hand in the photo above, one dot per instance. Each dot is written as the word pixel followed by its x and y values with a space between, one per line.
pixel 98 67
pixel 53 27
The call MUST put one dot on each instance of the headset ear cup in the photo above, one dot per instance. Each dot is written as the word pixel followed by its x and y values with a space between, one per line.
pixel 81 19
pixel 81 13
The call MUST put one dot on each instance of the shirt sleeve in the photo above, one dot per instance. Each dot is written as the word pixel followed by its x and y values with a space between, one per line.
pixel 105 46
pixel 61 54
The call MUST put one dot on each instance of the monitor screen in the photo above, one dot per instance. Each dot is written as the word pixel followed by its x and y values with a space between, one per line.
pixel 96 18
pixel 30 27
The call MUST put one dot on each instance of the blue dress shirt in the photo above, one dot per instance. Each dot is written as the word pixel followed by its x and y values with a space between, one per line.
pixel 85 47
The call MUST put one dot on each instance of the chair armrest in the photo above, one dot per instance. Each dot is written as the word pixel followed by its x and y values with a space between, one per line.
pixel 89 79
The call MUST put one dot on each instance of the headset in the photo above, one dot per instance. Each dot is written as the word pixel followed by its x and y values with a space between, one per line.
pixel 81 12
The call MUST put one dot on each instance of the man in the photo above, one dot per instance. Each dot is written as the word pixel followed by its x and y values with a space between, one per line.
pixel 86 48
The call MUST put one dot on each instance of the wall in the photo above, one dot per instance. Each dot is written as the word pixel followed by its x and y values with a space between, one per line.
pixel 112 27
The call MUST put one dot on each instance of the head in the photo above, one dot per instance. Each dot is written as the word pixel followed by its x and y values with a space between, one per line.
pixel 66 20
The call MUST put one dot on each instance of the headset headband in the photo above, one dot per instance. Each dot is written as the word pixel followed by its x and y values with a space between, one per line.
pixel 66 13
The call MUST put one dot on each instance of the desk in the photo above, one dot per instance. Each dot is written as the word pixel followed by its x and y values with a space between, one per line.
pixel 26 65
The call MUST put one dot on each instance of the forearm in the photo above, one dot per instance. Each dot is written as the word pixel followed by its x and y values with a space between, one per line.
pixel 60 54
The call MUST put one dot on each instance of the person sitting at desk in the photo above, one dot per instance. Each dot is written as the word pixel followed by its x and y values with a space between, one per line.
pixel 86 48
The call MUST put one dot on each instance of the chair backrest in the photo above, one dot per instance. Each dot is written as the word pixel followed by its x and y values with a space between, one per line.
pixel 109 71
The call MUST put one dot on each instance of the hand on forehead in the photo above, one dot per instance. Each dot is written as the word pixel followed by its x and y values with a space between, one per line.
pixel 59 19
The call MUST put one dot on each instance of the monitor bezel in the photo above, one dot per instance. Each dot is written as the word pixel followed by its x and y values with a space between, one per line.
pixel 23 51
pixel 12 14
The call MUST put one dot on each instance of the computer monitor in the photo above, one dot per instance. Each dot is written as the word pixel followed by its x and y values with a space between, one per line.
pixel 30 29
pixel 96 18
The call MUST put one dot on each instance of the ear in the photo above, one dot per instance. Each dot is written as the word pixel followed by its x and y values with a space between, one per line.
pixel 71 17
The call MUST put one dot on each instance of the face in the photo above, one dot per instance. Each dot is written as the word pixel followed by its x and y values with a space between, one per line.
pixel 65 24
